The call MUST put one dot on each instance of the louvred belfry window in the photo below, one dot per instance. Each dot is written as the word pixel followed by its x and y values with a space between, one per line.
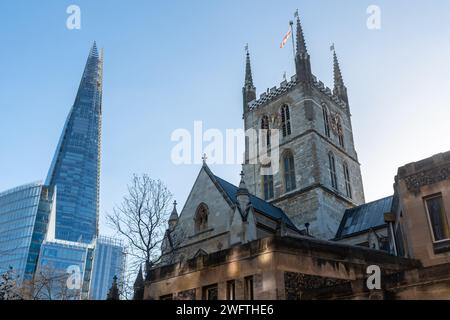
pixel 348 186
pixel 333 177
pixel 289 172
pixel 285 120
pixel 326 121
pixel 265 126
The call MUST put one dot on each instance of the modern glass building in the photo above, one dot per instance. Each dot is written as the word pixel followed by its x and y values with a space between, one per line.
pixel 49 233
pixel 109 261
pixel 24 219
pixel 64 270
pixel 75 169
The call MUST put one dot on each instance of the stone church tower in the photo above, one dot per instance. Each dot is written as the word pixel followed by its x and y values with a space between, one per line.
pixel 319 174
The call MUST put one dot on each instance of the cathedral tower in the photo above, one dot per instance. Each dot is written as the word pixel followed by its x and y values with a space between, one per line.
pixel 319 174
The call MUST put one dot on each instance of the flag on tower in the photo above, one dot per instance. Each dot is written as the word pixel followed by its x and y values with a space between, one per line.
pixel 286 38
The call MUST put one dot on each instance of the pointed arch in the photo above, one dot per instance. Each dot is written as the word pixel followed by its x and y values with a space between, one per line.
pixel 326 120
pixel 285 120
pixel 332 169
pixel 267 184
pixel 265 126
pixel 289 171
pixel 201 218
pixel 340 131
pixel 348 186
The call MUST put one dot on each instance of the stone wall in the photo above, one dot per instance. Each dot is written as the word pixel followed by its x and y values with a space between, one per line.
pixel 416 182
pixel 310 147
pixel 268 261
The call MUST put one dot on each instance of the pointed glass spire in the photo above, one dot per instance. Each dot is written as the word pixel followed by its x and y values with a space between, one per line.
pixel 94 50
pixel 75 170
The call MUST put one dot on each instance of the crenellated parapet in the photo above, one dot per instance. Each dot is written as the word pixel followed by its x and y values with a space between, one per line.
pixel 285 87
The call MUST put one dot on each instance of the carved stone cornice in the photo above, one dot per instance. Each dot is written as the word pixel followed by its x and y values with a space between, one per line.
pixel 428 177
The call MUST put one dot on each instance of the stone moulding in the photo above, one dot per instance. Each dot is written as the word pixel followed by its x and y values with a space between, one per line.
pixel 415 181
pixel 275 93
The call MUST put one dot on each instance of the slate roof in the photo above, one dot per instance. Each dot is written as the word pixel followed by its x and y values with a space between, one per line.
pixel 363 218
pixel 258 204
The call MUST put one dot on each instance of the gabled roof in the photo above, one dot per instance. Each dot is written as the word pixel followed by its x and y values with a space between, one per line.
pixel 363 218
pixel 258 204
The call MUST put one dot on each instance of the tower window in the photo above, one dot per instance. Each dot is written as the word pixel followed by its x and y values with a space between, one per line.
pixel 326 121
pixel 332 164
pixel 265 126
pixel 285 120
pixel 289 172
pixel 341 140
pixel 201 218
pixel 340 131
pixel 268 187
pixel 348 186
pixel 438 219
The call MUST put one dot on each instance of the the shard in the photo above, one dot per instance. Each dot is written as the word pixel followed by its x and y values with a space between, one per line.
pixel 75 169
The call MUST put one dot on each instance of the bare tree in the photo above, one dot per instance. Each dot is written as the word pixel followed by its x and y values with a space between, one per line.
pixel 141 219
pixel 125 283
pixel 49 283
pixel 9 289
pixel 173 240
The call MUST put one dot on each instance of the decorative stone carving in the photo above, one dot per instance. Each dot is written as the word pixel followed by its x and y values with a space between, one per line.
pixel 416 181
pixel 298 285
pixel 186 295
pixel 336 125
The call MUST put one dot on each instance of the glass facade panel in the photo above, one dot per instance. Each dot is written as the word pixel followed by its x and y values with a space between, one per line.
pixel 76 164
pixel 109 261
pixel 64 270
pixel 48 232
pixel 24 216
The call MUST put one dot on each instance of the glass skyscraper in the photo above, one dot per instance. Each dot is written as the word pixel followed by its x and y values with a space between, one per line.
pixel 24 220
pixel 59 260
pixel 109 261
pixel 48 232
pixel 75 170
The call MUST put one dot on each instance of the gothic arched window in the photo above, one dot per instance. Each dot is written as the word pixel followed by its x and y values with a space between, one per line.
pixel 265 126
pixel 285 120
pixel 348 186
pixel 201 218
pixel 332 164
pixel 289 171
pixel 268 187
pixel 340 131
pixel 326 120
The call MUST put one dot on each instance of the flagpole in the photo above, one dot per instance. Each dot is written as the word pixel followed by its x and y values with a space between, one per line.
pixel 291 23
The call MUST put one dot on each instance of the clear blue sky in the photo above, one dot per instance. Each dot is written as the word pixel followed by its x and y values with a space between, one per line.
pixel 169 63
